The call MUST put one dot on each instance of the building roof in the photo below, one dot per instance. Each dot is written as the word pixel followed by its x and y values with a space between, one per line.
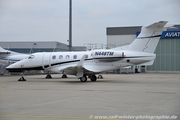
pixel 126 30
pixel 29 44
pixel 39 45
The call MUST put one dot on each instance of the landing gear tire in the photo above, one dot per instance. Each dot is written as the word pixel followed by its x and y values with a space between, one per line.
pixel 100 77
pixel 64 76
pixel 83 79
pixel 22 79
pixel 48 76
pixel 93 78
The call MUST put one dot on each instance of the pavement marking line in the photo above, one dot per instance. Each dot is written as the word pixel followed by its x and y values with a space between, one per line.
pixel 37 116
pixel 3 87
pixel 61 117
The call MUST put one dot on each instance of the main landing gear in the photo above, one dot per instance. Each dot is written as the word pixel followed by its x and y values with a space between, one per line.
pixel 100 77
pixel 48 76
pixel 64 76
pixel 84 78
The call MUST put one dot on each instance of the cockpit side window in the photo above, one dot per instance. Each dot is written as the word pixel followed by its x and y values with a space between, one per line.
pixel 31 57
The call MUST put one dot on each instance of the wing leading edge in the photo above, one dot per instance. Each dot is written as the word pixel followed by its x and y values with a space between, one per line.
pixel 76 69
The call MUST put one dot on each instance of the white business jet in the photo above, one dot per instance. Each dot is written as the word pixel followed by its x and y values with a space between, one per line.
pixel 8 57
pixel 90 63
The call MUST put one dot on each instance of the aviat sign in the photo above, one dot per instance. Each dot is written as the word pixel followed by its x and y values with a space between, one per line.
pixel 170 34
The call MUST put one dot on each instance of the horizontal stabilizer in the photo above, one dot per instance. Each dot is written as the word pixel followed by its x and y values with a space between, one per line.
pixel 147 63
pixel 159 24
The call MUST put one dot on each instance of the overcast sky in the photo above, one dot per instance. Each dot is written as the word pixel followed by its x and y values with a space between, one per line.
pixel 32 20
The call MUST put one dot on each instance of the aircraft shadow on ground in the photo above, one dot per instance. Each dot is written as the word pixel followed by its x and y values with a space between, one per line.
pixel 75 80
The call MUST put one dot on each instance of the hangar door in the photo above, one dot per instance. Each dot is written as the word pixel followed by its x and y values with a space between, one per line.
pixel 167 56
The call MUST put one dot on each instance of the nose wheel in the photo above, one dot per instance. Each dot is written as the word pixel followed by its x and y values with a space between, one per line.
pixel 22 77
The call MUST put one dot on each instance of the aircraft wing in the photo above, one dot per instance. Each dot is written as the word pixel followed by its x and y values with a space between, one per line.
pixel 79 69
pixel 76 69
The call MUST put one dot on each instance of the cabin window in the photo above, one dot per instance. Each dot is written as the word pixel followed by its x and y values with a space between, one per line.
pixel 60 57
pixel 86 57
pixel 75 56
pixel 31 57
pixel 67 56
pixel 53 57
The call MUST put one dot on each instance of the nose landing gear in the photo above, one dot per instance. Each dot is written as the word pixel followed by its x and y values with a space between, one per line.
pixel 22 77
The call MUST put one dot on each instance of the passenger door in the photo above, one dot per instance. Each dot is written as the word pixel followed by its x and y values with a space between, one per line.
pixel 46 61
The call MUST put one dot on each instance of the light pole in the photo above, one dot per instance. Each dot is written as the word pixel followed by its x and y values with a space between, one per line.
pixel 70 25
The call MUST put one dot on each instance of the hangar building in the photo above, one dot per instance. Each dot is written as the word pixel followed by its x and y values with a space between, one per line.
pixel 167 51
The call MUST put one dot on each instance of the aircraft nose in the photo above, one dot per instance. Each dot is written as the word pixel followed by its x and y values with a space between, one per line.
pixel 14 67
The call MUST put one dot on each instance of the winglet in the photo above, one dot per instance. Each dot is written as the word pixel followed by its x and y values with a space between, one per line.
pixel 81 61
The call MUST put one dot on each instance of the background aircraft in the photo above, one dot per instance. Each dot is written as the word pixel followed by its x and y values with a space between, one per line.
pixel 90 63
pixel 9 57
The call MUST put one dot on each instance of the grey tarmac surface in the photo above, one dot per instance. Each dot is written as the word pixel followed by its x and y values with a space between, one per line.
pixel 114 96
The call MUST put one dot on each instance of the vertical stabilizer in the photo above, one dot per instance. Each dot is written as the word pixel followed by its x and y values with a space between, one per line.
pixel 149 37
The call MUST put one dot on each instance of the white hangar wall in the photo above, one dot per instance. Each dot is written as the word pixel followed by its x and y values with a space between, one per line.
pixel 119 40
pixel 119 36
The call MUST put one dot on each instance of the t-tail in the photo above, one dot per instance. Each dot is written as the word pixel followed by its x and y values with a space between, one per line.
pixel 148 38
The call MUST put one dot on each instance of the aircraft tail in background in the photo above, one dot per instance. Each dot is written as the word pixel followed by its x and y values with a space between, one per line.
pixel 3 51
pixel 8 57
pixel 148 38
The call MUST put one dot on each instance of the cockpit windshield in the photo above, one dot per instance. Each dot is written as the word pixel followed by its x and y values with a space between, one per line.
pixel 31 57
